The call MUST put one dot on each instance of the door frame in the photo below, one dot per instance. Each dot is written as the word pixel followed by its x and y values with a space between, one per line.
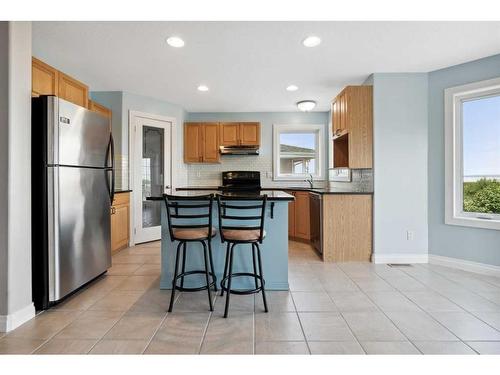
pixel 134 116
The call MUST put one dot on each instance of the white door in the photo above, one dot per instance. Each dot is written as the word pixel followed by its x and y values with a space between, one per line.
pixel 152 175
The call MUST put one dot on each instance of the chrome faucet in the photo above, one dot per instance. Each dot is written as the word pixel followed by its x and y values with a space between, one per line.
pixel 310 180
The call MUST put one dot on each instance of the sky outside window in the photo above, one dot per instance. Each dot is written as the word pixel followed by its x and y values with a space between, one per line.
pixel 481 138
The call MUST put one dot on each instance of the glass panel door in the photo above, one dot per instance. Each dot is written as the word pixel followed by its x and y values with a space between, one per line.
pixel 152 175
pixel 153 143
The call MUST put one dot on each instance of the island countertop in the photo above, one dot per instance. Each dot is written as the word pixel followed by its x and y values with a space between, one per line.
pixel 272 195
pixel 284 189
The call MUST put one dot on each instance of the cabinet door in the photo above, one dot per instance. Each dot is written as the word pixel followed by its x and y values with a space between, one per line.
pixel 302 215
pixel 343 112
pixel 73 91
pixel 250 133
pixel 335 117
pixel 119 227
pixel 291 217
pixel 192 143
pixel 44 78
pixel 211 143
pixel 230 134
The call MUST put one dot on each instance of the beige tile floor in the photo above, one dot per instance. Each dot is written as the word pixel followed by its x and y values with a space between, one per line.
pixel 349 308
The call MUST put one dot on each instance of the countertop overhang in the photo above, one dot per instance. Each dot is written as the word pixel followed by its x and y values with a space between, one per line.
pixel 272 195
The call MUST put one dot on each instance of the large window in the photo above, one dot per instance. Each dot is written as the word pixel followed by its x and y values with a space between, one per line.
pixel 298 152
pixel 473 155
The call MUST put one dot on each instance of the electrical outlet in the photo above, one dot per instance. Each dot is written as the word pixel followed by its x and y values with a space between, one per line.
pixel 410 235
pixel 198 174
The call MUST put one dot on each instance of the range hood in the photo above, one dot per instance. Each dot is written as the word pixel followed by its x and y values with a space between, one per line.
pixel 239 150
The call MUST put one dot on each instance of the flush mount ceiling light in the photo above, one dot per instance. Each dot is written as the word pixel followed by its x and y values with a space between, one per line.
pixel 311 41
pixel 292 88
pixel 306 105
pixel 175 41
pixel 202 88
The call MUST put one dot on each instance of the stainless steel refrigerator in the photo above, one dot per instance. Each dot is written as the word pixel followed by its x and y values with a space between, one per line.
pixel 72 191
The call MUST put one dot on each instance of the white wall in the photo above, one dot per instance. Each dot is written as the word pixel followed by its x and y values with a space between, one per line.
pixel 400 167
pixel 16 304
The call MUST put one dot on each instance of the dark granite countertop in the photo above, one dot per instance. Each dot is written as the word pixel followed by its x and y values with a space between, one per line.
pixel 272 195
pixel 122 191
pixel 286 188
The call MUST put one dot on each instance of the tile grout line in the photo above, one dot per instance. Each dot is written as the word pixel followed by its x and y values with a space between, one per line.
pixel 206 325
pixel 159 326
pixel 300 323
pixel 383 312
pixel 433 318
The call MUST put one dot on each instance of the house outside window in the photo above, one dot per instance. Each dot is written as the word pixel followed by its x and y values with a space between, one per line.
pixel 298 151
pixel 472 121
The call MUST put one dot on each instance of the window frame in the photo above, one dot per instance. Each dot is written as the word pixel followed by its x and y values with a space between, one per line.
pixel 320 150
pixel 454 97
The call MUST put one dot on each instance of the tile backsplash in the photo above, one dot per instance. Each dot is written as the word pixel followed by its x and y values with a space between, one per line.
pixel 361 179
pixel 210 174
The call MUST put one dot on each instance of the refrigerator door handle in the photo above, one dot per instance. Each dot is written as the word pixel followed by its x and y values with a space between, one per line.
pixel 110 153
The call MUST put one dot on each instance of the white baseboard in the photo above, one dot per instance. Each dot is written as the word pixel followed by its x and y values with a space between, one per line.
pixel 466 265
pixel 14 320
pixel 399 258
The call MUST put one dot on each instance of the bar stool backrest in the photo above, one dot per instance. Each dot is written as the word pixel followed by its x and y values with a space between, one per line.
pixel 241 211
pixel 188 212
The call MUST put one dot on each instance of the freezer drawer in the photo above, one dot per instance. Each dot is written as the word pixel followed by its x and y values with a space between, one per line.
pixel 79 243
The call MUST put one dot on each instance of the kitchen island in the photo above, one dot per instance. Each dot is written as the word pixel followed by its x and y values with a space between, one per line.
pixel 274 248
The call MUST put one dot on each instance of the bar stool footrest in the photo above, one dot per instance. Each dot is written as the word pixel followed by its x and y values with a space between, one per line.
pixel 195 272
pixel 244 291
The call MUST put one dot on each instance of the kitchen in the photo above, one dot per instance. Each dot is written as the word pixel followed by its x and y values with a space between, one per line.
pixel 336 242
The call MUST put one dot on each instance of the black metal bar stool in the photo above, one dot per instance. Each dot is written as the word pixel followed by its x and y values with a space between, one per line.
pixel 235 234
pixel 180 216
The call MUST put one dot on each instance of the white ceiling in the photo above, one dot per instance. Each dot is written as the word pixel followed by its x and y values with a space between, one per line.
pixel 247 65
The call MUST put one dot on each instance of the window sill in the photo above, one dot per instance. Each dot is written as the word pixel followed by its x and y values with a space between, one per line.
pixel 473 222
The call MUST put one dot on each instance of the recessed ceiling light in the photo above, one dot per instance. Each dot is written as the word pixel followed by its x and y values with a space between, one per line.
pixel 306 105
pixel 202 88
pixel 175 41
pixel 292 88
pixel 311 41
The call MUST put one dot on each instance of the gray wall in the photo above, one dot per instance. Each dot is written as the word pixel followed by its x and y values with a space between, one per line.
pixel 400 163
pixel 478 245
pixel 15 175
pixel 209 174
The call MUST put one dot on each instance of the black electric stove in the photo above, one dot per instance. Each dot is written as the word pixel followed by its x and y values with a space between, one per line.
pixel 241 181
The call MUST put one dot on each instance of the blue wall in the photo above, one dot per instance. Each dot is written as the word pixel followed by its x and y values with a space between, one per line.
pixel 400 166
pixel 478 245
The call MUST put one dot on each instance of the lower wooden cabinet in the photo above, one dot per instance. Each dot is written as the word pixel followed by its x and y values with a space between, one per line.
pixel 347 227
pixel 120 222
pixel 299 219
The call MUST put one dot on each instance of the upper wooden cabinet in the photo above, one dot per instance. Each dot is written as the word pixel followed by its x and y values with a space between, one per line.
pixel 44 78
pixel 230 133
pixel 96 107
pixel 240 133
pixel 352 122
pixel 72 90
pixel 201 142
pixel 250 133
pixel 210 142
